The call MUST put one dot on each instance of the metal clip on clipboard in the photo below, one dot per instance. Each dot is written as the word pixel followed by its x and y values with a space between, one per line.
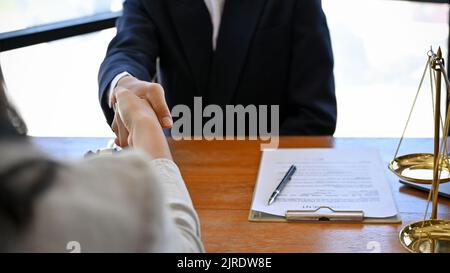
pixel 324 213
pixel 111 148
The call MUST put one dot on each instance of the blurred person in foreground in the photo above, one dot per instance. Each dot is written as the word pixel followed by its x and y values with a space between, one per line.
pixel 135 201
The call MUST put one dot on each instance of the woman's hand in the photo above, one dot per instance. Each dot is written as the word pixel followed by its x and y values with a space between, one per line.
pixel 138 120
pixel 153 93
pixel 131 112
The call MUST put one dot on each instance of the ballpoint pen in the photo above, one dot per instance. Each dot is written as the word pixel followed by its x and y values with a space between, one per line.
pixel 287 177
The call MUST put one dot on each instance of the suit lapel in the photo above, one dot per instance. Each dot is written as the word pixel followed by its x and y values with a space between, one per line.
pixel 194 29
pixel 239 21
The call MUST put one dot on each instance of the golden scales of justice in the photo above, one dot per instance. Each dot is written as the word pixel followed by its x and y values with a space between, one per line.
pixel 429 235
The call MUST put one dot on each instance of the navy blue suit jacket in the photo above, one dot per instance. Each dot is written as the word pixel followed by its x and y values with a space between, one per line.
pixel 268 52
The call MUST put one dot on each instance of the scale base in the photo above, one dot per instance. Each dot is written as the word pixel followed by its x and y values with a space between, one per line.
pixel 430 236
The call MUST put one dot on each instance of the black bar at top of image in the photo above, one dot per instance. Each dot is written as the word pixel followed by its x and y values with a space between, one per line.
pixel 55 31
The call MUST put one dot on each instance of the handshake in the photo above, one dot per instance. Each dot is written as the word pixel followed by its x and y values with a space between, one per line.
pixel 139 107
pixel 141 112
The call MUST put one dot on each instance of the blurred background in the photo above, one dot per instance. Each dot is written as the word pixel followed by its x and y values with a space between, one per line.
pixel 379 47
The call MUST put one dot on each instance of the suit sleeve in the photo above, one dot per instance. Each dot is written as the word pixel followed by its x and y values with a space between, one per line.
pixel 134 49
pixel 311 102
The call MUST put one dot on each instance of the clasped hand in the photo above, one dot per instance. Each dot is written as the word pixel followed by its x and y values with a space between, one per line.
pixel 139 106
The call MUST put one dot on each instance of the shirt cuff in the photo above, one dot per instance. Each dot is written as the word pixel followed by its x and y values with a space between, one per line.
pixel 114 84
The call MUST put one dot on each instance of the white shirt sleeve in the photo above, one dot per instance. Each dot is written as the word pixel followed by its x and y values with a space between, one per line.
pixel 113 85
pixel 180 204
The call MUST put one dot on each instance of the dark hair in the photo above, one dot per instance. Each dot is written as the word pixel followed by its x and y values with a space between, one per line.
pixel 11 124
pixel 20 185
pixel 22 182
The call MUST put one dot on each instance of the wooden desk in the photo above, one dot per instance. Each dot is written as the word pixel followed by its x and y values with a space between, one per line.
pixel 221 176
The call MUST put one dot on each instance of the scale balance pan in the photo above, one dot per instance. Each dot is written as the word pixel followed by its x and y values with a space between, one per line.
pixel 430 236
pixel 418 168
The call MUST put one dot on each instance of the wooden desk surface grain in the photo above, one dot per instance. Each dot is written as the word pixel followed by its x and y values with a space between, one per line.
pixel 221 176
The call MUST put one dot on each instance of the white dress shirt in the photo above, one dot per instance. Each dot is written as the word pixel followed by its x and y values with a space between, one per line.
pixel 215 8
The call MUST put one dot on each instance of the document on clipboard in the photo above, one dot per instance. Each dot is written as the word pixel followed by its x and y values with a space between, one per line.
pixel 337 185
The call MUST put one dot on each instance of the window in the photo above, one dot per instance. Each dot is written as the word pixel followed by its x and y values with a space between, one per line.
pixel 54 85
pixel 22 14
pixel 380 51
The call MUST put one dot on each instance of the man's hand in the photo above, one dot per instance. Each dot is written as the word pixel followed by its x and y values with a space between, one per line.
pixel 153 93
